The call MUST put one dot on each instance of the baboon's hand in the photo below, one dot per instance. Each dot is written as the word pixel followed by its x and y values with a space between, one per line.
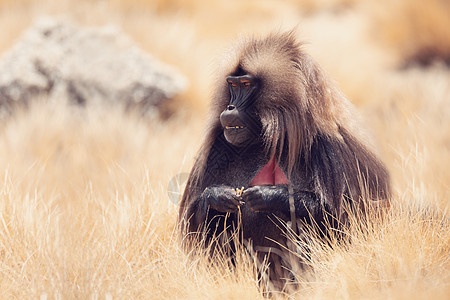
pixel 222 198
pixel 265 198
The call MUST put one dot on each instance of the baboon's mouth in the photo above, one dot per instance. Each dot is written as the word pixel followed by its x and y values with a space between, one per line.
pixel 237 135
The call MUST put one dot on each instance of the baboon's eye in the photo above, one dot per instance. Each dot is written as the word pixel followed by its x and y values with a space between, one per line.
pixel 246 84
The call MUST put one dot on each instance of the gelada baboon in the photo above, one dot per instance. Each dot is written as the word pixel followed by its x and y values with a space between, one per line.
pixel 283 145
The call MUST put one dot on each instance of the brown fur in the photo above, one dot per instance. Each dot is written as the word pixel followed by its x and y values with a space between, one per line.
pixel 297 104
pixel 309 126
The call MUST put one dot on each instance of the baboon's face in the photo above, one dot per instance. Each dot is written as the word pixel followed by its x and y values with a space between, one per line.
pixel 239 120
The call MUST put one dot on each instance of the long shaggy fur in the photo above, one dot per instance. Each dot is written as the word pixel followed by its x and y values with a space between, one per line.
pixel 297 106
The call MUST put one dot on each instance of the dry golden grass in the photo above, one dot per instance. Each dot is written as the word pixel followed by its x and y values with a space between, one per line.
pixel 84 209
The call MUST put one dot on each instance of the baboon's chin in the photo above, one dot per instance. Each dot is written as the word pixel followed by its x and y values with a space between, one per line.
pixel 238 137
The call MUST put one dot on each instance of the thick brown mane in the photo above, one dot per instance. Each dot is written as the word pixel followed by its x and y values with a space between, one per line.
pixel 303 154
pixel 295 107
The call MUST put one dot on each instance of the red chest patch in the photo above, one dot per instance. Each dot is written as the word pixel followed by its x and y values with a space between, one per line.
pixel 270 174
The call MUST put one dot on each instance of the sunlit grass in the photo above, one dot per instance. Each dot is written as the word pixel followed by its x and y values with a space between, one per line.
pixel 84 204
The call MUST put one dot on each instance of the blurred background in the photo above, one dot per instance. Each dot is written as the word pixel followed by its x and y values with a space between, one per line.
pixel 84 202
pixel 354 40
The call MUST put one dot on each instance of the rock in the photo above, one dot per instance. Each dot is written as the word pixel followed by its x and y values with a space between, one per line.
pixel 57 59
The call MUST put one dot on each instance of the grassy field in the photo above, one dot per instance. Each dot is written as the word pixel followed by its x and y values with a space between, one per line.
pixel 84 205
